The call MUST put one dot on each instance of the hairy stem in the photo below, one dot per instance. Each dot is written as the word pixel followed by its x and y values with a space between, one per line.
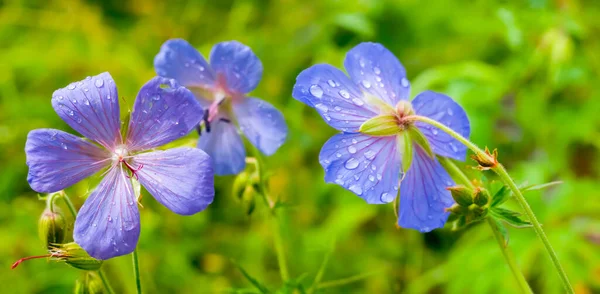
pixel 136 271
pixel 503 174
pixel 460 176
pixel 107 286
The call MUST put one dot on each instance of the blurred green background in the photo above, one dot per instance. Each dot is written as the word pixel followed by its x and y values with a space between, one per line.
pixel 527 73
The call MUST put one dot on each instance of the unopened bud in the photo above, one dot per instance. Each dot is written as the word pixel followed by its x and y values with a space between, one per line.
pixel 462 195
pixel 75 256
pixel 239 185
pixel 457 209
pixel 52 227
pixel 487 159
pixel 482 197
pixel 89 283
pixel 248 199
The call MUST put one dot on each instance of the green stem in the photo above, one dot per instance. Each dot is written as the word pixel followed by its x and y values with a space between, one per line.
pixel 105 282
pixel 275 222
pixel 345 281
pixel 136 271
pixel 503 174
pixel 73 211
pixel 510 260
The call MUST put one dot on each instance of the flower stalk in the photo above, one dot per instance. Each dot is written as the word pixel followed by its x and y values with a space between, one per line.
pixel 502 243
pixel 488 160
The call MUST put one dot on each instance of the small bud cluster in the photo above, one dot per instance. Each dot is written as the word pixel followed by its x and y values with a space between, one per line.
pixel 472 204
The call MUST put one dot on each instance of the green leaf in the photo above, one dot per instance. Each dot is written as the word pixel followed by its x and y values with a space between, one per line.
pixel 262 288
pixel 512 218
pixel 540 186
pixel 501 196
pixel 503 231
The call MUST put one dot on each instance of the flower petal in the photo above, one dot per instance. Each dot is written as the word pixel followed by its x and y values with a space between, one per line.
pixel 91 107
pixel 377 71
pixel 58 160
pixel 262 124
pixel 163 111
pixel 367 166
pixel 181 178
pixel 224 145
pixel 179 60
pixel 443 109
pixel 108 223
pixel 240 67
pixel 339 101
pixel 423 194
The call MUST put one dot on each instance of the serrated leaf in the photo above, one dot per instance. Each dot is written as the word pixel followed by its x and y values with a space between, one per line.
pixel 262 288
pixel 512 218
pixel 503 231
pixel 501 196
pixel 540 186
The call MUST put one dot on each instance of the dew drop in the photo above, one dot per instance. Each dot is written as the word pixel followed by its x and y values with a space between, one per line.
pixel 63 145
pixel 450 112
pixel 376 70
pixel 366 84
pixel 156 98
pixel 71 87
pixel 371 178
pixel 379 177
pixel 316 91
pixel 331 83
pixel 337 108
pixel 354 141
pixel 351 164
pixel 404 82
pixel 356 189
pixel 434 131
pixel 370 154
pixel 351 149
pixel 99 83
pixel 108 97
pixel 338 155
pixel 357 101
pixel 344 94
pixel 387 197
pixel 322 107
pixel 453 147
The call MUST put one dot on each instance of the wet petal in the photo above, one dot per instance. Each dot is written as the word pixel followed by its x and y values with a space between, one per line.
pixel 58 160
pixel 163 111
pixel 224 145
pixel 377 71
pixel 423 194
pixel 443 109
pixel 179 60
pixel 91 107
pixel 367 166
pixel 339 101
pixel 180 179
pixel 108 223
pixel 236 62
pixel 262 124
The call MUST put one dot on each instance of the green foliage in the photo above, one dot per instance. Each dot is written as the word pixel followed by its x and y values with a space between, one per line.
pixel 526 72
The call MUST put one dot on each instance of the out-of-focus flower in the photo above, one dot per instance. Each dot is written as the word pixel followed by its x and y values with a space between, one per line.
pixel 222 87
pixel 108 223
pixel 379 145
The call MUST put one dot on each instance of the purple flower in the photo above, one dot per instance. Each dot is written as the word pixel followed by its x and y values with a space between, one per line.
pixel 371 165
pixel 221 87
pixel 108 224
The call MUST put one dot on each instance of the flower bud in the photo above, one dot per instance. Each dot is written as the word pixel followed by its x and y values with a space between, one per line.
pixel 482 197
pixel 239 185
pixel 72 254
pixel 462 195
pixel 89 283
pixel 52 227
pixel 248 199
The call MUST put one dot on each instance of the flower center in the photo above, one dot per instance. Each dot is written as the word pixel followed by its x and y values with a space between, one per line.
pixel 403 110
pixel 120 156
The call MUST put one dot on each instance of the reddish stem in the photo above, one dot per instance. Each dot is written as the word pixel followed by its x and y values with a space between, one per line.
pixel 28 258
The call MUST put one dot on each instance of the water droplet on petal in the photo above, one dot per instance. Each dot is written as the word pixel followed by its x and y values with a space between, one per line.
pixel 344 94
pixel 156 98
pixel 434 131
pixel 71 87
pixel 376 70
pixel 322 107
pixel 450 112
pixel 351 149
pixel 351 163
pixel 453 147
pixel 338 155
pixel 108 97
pixel 99 83
pixel 358 101
pixel 331 83
pixel 354 141
pixel 316 91
pixel 356 189
pixel 366 84
pixel 371 178
pixel 370 154
pixel 404 82
pixel 387 197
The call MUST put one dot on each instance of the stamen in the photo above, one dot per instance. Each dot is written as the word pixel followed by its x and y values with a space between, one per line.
pixel 225 120
pixel 131 168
